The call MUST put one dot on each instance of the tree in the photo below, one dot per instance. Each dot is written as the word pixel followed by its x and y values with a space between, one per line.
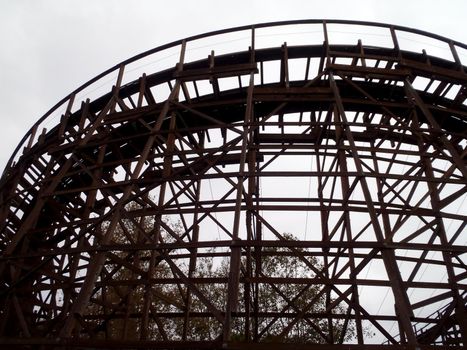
pixel 136 281
pixel 279 262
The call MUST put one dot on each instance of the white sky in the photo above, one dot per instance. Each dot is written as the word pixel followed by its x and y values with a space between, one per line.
pixel 49 48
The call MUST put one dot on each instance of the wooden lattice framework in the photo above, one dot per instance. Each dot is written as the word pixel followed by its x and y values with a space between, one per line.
pixel 368 144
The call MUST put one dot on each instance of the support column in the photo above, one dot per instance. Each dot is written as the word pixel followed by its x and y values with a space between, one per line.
pixel 458 300
pixel 403 308
pixel 97 261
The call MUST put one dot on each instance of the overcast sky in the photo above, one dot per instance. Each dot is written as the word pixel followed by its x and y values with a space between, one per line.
pixel 49 48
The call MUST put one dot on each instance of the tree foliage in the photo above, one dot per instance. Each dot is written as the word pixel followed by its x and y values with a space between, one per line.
pixel 135 280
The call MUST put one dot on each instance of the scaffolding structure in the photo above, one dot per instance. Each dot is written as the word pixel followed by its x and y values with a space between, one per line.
pixel 307 194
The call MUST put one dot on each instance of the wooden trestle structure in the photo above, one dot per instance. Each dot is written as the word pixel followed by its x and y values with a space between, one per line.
pixel 357 150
